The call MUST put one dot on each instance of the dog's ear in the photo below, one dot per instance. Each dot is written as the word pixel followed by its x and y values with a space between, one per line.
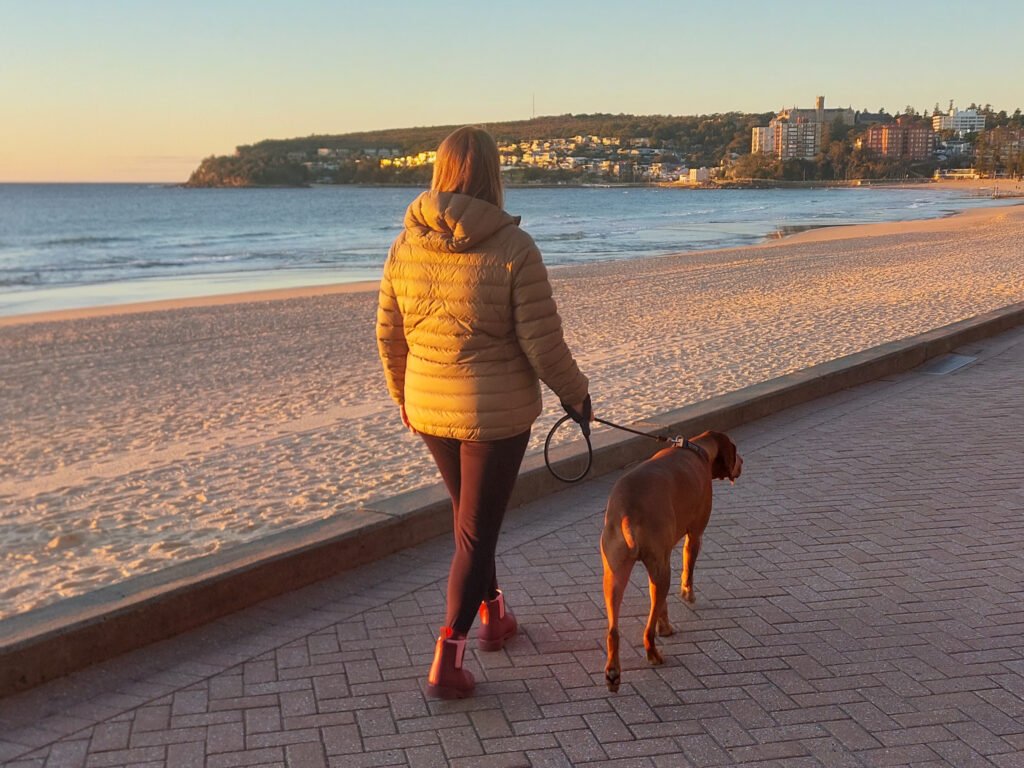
pixel 728 464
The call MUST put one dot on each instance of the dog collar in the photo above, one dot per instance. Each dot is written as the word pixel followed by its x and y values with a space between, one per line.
pixel 682 442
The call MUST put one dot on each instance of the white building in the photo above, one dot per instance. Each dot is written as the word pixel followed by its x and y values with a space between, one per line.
pixel 763 139
pixel 699 175
pixel 961 121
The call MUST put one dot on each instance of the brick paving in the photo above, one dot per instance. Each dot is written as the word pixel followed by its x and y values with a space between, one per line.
pixel 859 603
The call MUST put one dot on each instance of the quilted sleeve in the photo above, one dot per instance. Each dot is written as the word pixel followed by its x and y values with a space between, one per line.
pixel 539 329
pixel 391 343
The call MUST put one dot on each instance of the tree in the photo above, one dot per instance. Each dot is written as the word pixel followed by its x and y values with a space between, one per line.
pixel 838 130
pixel 755 165
pixel 839 154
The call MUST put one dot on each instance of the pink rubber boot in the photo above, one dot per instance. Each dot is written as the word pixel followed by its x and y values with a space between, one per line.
pixel 497 624
pixel 447 678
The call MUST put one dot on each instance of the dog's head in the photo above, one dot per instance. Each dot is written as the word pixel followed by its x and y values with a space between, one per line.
pixel 728 463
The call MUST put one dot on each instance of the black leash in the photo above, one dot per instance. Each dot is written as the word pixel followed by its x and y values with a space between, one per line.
pixel 679 442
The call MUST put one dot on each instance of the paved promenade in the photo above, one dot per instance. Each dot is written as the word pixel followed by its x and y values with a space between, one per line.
pixel 859 603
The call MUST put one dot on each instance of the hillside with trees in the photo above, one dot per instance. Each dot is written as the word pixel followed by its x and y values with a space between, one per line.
pixel 696 140
pixel 719 141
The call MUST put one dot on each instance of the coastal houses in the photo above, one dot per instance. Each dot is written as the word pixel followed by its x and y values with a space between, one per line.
pixel 622 159
pixel 409 161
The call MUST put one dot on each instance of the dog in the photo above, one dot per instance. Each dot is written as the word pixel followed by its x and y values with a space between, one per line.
pixel 650 509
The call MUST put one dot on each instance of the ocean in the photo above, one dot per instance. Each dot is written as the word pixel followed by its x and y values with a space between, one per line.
pixel 68 246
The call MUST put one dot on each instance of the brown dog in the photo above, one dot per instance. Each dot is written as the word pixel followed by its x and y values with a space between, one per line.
pixel 650 509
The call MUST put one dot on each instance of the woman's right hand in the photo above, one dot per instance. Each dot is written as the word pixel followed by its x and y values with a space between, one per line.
pixel 582 413
pixel 582 410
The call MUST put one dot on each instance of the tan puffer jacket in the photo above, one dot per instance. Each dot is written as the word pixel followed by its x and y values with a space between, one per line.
pixel 466 324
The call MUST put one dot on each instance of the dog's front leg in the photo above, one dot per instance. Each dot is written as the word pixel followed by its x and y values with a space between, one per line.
pixel 691 548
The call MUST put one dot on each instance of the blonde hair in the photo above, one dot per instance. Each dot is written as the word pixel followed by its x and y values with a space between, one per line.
pixel 467 162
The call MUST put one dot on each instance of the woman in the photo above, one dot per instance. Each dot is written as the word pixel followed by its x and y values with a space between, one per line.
pixel 466 329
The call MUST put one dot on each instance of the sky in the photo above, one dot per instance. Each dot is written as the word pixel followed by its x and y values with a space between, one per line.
pixel 140 90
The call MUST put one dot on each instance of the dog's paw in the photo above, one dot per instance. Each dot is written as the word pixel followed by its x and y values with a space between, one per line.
pixel 654 656
pixel 612 678
pixel 665 629
pixel 688 594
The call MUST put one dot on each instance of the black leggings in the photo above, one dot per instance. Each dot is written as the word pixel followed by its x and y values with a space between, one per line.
pixel 479 477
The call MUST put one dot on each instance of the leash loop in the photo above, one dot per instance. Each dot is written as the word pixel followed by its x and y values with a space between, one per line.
pixel 547 460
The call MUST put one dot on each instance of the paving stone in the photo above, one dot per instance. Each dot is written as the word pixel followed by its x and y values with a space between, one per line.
pixel 460 742
pixel 67 754
pixel 186 755
pixel 109 736
pixel 167 737
pixel 226 737
pixel 269 756
pixel 126 757
pixel 262 720
pixel 342 740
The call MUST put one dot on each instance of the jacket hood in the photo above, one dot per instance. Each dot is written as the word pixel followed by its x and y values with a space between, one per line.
pixel 452 222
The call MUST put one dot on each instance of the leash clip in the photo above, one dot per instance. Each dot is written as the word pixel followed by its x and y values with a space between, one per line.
pixel 682 442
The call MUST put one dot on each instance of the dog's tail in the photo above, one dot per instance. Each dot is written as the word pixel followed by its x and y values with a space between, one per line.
pixel 629 538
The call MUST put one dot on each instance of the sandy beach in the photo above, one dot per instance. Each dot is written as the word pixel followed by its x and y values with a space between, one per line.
pixel 987 187
pixel 134 436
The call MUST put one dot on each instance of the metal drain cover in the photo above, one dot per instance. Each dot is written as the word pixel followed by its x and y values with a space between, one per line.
pixel 945 364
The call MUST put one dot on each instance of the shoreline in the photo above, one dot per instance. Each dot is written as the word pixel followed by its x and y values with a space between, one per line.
pixel 190 302
pixel 812 233
pixel 1002 188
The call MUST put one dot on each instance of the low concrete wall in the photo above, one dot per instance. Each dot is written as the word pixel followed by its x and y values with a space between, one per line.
pixel 62 637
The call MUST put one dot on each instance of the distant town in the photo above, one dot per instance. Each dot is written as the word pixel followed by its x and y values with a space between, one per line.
pixel 791 145
pixel 953 137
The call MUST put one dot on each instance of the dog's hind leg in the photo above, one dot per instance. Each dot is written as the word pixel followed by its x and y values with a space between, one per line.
pixel 660 578
pixel 691 548
pixel 616 577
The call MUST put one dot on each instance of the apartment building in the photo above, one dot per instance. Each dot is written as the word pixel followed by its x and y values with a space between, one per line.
pixel 797 133
pixel 799 140
pixel 905 139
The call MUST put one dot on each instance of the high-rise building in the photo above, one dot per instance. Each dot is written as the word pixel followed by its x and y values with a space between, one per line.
pixel 799 140
pixel 797 133
pixel 763 139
